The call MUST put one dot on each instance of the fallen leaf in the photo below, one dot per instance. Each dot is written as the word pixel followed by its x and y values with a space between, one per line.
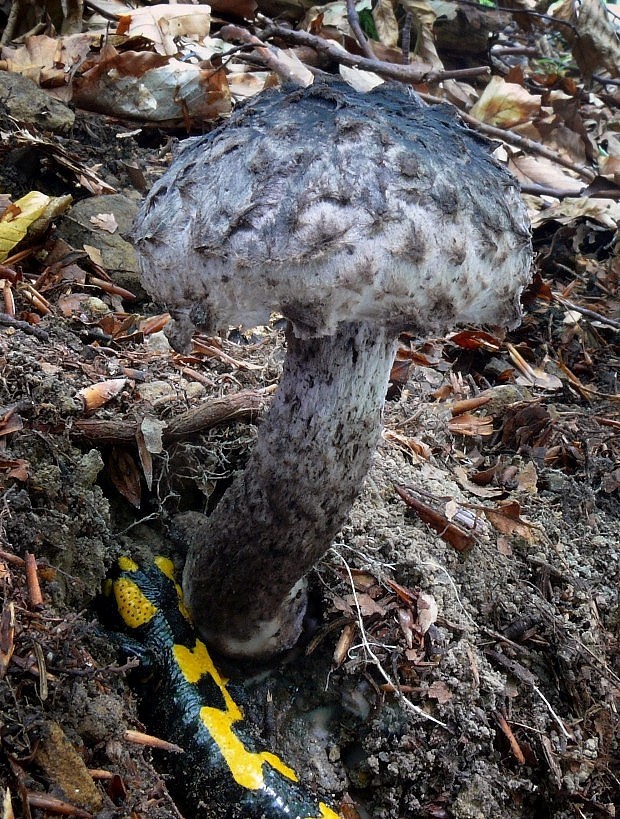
pixel 604 211
pixel 150 87
pixel 477 490
pixel 367 605
pixel 10 422
pixel 439 691
pixel 427 611
pixel 105 221
pixel 468 424
pixel 15 468
pixel 124 475
pixel 476 340
pixel 100 393
pixel 532 376
pixel 527 479
pixel 162 24
pixel 386 22
pixel 505 104
pixel 29 216
pixel 413 446
pixel 451 533
pixel 506 518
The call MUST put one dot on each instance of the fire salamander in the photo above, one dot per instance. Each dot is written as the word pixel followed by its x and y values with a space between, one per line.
pixel 230 776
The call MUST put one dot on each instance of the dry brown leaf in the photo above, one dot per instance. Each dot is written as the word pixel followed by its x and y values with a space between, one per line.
pixel 424 17
pixel 413 446
pixel 604 211
pixel 367 605
pixel 532 376
pixel 15 468
pixel 161 24
pixel 541 171
pixel 151 87
pixel 505 104
pixel 448 531
pixel 596 44
pixel 439 691
pixel 105 221
pixel 476 340
pixel 527 479
pixel 468 424
pixel 10 422
pixel 506 519
pixel 475 489
pixel 427 610
pixel 345 641
pixel 100 393
pixel 124 475
pixel 386 23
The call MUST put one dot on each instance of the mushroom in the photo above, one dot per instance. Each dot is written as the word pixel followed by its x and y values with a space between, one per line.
pixel 355 216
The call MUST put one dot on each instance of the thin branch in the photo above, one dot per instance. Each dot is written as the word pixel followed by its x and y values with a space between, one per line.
pixel 566 193
pixel 268 54
pixel 354 23
pixel 415 73
pixel 245 405
pixel 24 326
pixel 585 311
pixel 405 43
pixel 517 140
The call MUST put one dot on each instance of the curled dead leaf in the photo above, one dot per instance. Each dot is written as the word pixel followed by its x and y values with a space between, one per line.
pixel 506 518
pixel 450 532
pixel 427 611
pixel 100 393
pixel 471 425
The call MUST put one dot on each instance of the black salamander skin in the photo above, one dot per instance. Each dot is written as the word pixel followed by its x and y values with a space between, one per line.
pixel 227 774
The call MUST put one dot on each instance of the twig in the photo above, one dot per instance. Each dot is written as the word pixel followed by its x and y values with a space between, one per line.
pixel 149 741
pixel 405 42
pixel 512 740
pixel 585 311
pixel 54 805
pixel 517 140
pixel 244 405
pixel 354 22
pixel 267 54
pixel 559 193
pixel 102 9
pixel 552 712
pixel 24 326
pixel 416 73
pixel 371 654
pixel 32 581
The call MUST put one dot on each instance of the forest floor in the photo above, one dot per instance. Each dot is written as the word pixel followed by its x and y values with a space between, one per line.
pixel 466 655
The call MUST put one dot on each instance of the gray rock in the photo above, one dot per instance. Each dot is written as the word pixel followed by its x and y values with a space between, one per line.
pixel 24 101
pixel 119 256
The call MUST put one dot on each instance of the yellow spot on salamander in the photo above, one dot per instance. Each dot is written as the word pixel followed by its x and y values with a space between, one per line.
pixel 135 609
pixel 166 567
pixel 326 813
pixel 126 564
pixel 245 766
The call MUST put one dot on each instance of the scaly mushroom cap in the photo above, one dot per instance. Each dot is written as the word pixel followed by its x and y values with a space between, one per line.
pixel 355 216
pixel 328 205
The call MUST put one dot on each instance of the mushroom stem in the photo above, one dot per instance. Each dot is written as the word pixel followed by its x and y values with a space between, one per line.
pixel 244 575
